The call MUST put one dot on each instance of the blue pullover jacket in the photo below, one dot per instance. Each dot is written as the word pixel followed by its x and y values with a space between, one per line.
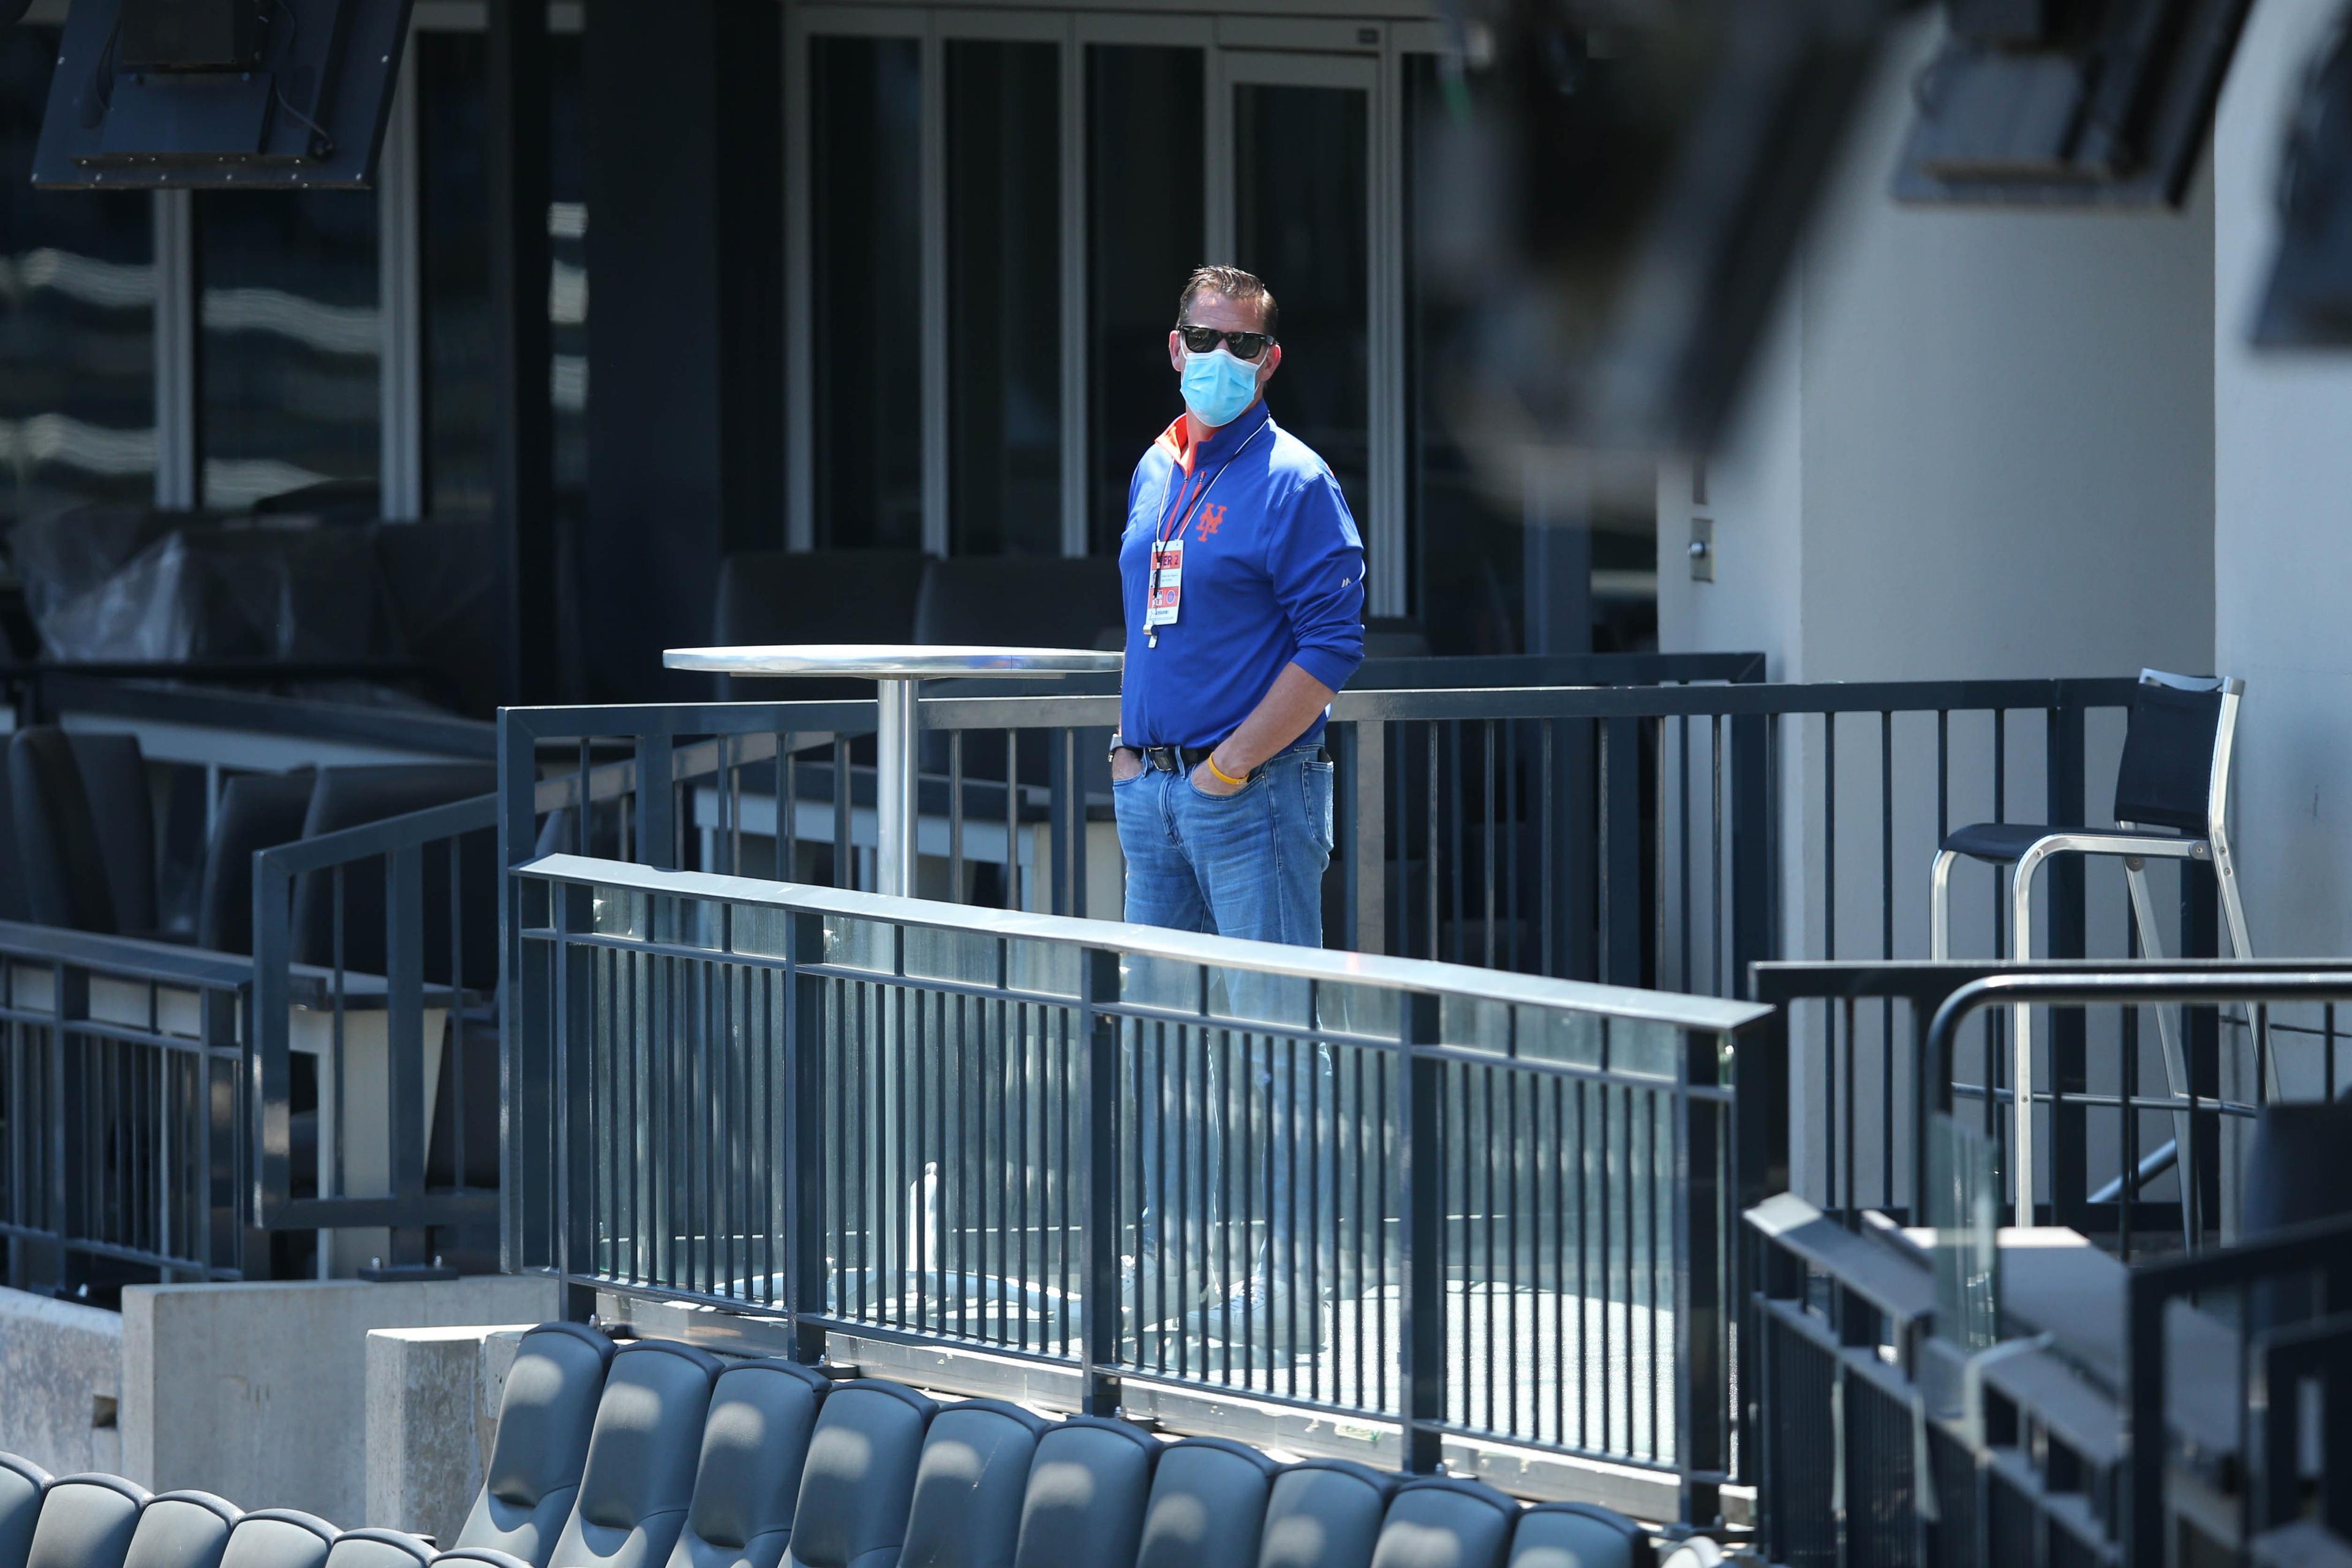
pixel 1274 575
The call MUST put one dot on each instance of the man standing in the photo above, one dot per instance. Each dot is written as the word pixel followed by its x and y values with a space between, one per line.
pixel 1243 580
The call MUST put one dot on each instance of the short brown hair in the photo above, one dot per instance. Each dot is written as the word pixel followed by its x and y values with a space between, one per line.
pixel 1234 284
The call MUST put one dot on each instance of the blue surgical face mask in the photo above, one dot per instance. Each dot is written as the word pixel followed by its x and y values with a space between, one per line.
pixel 1217 387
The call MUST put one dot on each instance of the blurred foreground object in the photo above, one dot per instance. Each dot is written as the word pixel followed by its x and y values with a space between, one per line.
pixel 1616 190
pixel 228 93
pixel 2069 102
pixel 2309 302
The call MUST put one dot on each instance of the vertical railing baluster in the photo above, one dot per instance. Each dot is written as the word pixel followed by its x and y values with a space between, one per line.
pixel 1421 1312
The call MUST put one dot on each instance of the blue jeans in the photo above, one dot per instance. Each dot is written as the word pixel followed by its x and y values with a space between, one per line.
pixel 1249 864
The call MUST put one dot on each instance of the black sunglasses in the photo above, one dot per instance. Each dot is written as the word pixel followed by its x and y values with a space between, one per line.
pixel 1204 340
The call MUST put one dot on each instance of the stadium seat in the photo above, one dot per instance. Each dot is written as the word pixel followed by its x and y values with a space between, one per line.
pixel 21 1483
pixel 379 1549
pixel 1578 1536
pixel 277 1538
pixel 755 1445
pixel 860 1477
pixel 532 1474
pixel 1324 1513
pixel 1442 1523
pixel 182 1529
pixel 639 1476
pixel 1207 1506
pixel 87 1521
pixel 1087 1490
pixel 969 1485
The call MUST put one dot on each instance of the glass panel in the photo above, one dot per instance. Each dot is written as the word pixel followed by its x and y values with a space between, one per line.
pixel 966 957
pixel 1045 967
pixel 1004 298
pixel 1359 1010
pixel 1145 204
pixel 858 944
pixel 1300 215
pixel 292 344
pixel 1964 1209
pixel 762 931
pixel 1251 997
pixel 1569 1038
pixel 1647 1051
pixel 1463 525
pixel 1476 1026
pixel 1159 983
pixel 866 219
pixel 77 319
pixel 454 201
pixel 619 912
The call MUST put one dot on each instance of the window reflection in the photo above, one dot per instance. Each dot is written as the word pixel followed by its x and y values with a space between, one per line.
pixel 1144 208
pixel 77 319
pixel 866 242
pixel 1301 222
pixel 291 343
pixel 1004 295
pixel 454 194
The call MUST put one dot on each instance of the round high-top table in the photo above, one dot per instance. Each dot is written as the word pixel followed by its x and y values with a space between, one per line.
pixel 899 673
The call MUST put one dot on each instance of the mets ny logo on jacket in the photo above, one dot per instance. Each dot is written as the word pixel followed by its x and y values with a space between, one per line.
pixel 1269 571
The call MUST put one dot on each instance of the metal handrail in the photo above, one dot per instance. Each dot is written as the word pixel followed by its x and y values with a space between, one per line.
pixel 1325 964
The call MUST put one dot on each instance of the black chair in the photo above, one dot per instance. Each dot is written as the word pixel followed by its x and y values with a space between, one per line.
pixel 256 811
pixel 970 1485
pixel 531 1476
pixel 2172 802
pixel 114 777
pixel 755 1445
pixel 1207 1507
pixel 87 1521
pixel 1018 601
pixel 279 1538
pixel 182 1529
pixel 373 1547
pixel 1324 1513
pixel 1589 1536
pixel 347 797
pixel 860 1478
pixel 59 853
pixel 1088 1487
pixel 767 596
pixel 1445 1522
pixel 21 1484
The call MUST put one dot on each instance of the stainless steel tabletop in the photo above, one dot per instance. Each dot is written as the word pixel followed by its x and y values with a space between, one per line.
pixel 885 661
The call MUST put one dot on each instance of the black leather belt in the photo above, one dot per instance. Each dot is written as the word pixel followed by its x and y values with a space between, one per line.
pixel 1184 759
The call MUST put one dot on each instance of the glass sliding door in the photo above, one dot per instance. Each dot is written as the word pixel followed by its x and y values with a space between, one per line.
pixel 1146 211
pixel 1302 207
pixel 1004 274
pixel 865 105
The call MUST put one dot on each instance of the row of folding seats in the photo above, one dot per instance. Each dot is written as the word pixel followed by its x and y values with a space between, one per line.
pixel 105 1521
pixel 656 1454
pixel 597 1464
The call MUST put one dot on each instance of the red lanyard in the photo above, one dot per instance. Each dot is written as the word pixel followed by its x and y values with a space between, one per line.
pixel 1185 521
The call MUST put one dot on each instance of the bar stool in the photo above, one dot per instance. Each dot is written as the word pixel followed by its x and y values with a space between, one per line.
pixel 2172 792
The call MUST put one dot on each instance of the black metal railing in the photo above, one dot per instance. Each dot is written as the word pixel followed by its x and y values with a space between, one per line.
pixel 117 1160
pixel 2162 1412
pixel 1861 1037
pixel 173 1113
pixel 1664 834
pixel 1441 1200
pixel 395 921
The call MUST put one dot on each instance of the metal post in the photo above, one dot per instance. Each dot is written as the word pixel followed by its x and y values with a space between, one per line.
pixel 1421 1195
pixel 1101 1308
pixel 895 779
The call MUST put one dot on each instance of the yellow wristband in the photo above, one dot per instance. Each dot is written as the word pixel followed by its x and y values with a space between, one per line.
pixel 1211 760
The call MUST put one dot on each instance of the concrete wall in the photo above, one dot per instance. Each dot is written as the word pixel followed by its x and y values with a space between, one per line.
pixel 1981 444
pixel 259 1392
pixel 60 1378
pixel 2281 546
pixel 433 1398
